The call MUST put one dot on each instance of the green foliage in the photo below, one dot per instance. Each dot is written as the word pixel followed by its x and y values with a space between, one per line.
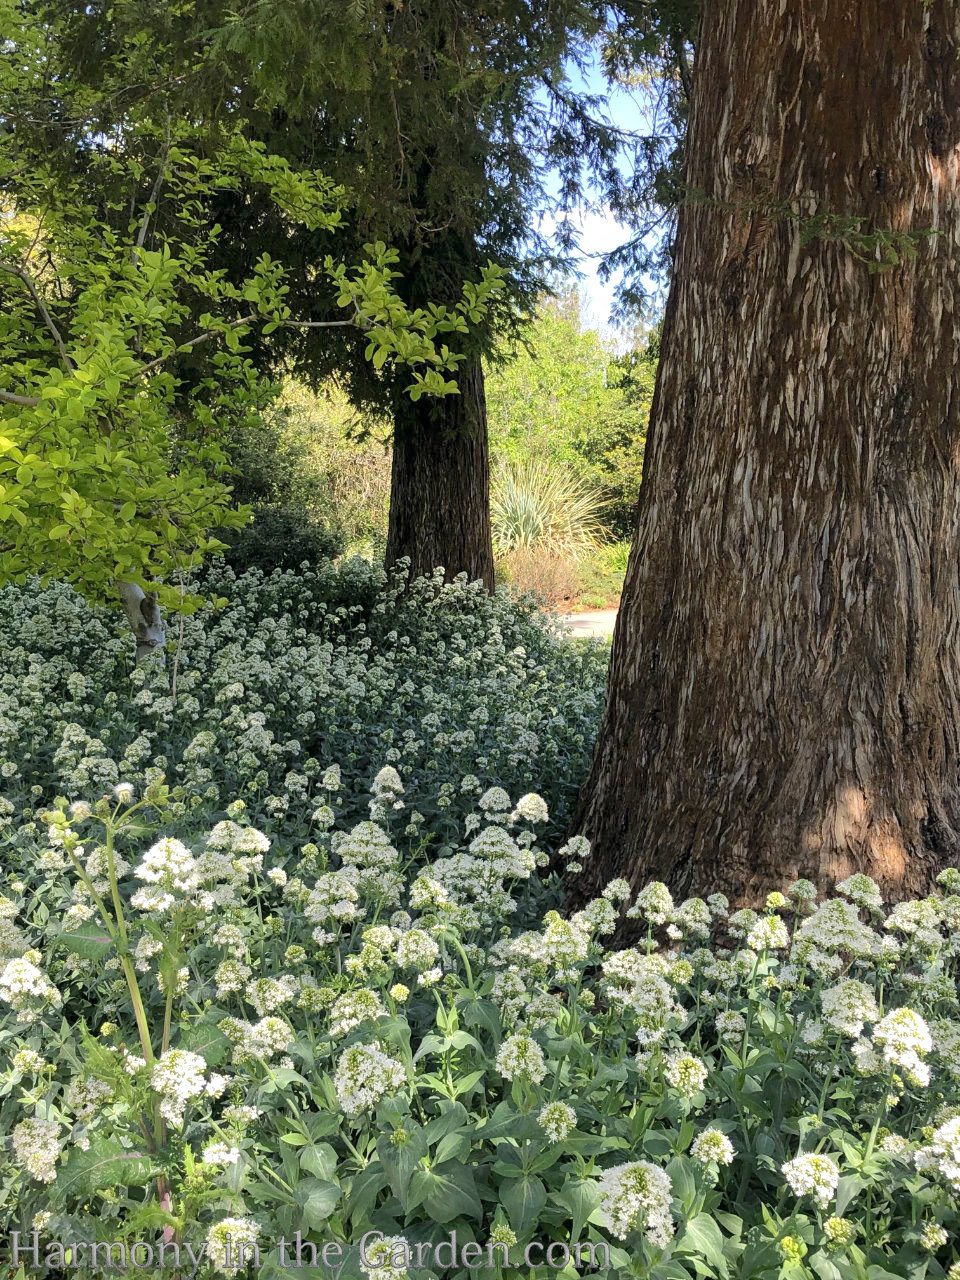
pixel 564 395
pixel 651 49
pixel 288 988
pixel 433 118
pixel 551 578
pixel 340 661
pixel 341 459
pixel 602 573
pixel 112 466
pixel 281 538
pixel 878 248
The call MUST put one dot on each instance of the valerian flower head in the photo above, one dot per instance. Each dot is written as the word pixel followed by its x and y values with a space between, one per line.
pixel 769 933
pixel 840 1232
pixel 417 950
pixel 530 808
pixel 27 989
pixel 812 1175
pixel 169 863
pixel 179 1077
pixel 232 1245
pixel 521 1058
pixel 365 1073
pixel 636 1197
pixel 905 1039
pixel 862 890
pixel 494 801
pixel 576 849
pixel 654 903
pixel 354 1008
pixel 848 1006
pixel 387 1258
pixel 557 1120
pixel 934 1237
pixel 27 1060
pixel 941 1156
pixel 685 1073
pixel 712 1145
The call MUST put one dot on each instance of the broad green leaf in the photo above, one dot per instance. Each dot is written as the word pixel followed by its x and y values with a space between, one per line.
pixel 320 1159
pixel 849 1186
pixel 581 1196
pixel 447 1191
pixel 90 940
pixel 523 1198
pixel 317 1199
pixel 701 1235
pixel 104 1164
pixel 401 1159
pixel 208 1040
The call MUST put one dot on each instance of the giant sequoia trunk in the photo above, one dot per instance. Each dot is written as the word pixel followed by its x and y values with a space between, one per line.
pixel 784 694
pixel 440 483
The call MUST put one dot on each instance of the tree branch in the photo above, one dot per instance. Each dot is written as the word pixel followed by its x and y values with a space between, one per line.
pixel 23 276
pixel 28 402
pixel 154 195
pixel 235 324
pixel 318 324
pixel 194 342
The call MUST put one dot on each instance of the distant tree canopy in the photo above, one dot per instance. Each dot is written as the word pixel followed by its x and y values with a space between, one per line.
pixel 449 129
pixel 112 463
pixel 566 397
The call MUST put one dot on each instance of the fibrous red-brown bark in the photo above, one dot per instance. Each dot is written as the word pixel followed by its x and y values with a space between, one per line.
pixel 785 685
pixel 440 482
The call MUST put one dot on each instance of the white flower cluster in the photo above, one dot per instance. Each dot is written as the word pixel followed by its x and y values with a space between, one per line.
pixel 268 994
pixel 179 1077
pixel 557 1120
pixel 636 1197
pixel 941 1156
pixel 36 1145
pixel 220 1154
pixel 812 1175
pixel 370 861
pixel 848 1006
pixel 417 950
pixel 712 1145
pixel 638 983
pixel 332 900
pixel 685 1073
pixel 366 1073
pixel 27 989
pixel 232 1245
pixel 86 1096
pixel 166 866
pixel 261 1040
pixel 354 1008
pixel 904 1039
pixel 27 1060
pixel 386 1259
pixel 521 1058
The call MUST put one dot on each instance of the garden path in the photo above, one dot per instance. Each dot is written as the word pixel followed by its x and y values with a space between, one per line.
pixel 598 622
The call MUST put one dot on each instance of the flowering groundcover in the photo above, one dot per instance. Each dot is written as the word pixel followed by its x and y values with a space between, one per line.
pixel 336 993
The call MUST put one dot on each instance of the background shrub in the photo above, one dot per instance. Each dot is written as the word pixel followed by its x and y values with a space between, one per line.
pixel 281 538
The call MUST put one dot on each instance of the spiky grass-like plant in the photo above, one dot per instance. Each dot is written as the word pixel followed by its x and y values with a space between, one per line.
pixel 536 504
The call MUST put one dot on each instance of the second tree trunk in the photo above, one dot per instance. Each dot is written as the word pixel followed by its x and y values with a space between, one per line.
pixel 440 483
